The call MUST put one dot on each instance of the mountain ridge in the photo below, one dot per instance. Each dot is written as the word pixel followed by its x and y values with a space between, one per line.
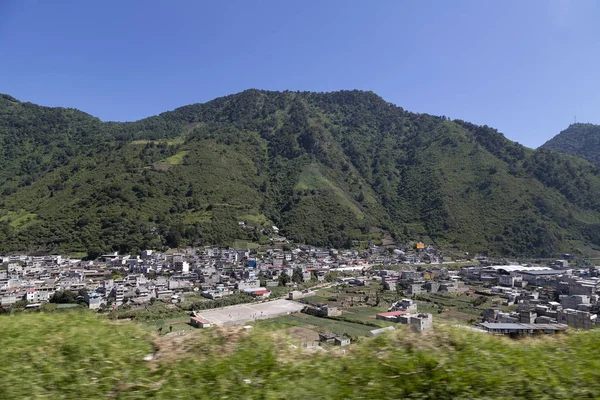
pixel 580 140
pixel 327 168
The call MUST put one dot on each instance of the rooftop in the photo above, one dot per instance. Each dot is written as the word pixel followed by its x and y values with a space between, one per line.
pixel 545 272
pixel 511 268
pixel 519 327
pixel 392 313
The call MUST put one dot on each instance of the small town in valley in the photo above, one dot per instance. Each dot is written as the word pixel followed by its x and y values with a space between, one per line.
pixel 321 298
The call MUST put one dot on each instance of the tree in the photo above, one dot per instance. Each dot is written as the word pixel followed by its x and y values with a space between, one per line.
pixel 262 279
pixel 63 297
pixel 284 279
pixel 297 276
pixel 19 305
pixel 478 301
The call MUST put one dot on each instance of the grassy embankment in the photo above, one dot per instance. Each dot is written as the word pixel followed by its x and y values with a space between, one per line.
pixel 77 356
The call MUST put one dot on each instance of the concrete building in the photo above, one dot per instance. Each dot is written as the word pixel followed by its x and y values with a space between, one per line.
pixel 421 322
pixel 577 319
pixel 517 329
pixel 406 305
pixel 199 322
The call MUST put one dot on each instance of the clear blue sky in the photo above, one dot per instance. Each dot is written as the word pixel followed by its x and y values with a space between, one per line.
pixel 524 67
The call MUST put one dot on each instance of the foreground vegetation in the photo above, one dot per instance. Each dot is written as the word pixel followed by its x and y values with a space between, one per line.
pixel 79 355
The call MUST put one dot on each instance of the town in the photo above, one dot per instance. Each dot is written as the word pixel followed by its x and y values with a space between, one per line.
pixel 321 296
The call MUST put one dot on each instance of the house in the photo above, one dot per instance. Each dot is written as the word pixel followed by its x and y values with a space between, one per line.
pixel 31 295
pixel 341 341
pixel 421 322
pixel 8 299
pixel 416 288
pixel 576 318
pixel 515 279
pixel 248 284
pixel 390 315
pixel 335 339
pixel 327 337
pixel 94 300
pixel 260 293
pixel 407 305
pixel 199 322
pixel 163 293
pixel 516 329
pixel 306 276
pixel 322 311
pixel 146 254
pixel 296 294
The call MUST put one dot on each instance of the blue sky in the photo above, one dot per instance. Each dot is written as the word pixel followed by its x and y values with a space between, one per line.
pixel 524 67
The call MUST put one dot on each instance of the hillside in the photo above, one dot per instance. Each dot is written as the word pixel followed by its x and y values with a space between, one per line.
pixel 81 356
pixel 581 140
pixel 326 168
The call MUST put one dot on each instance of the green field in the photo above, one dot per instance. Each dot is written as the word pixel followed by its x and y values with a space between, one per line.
pixel 18 219
pixel 172 142
pixel 243 245
pixel 275 324
pixel 176 159
pixel 192 217
pixel 457 307
pixel 364 313
pixel 320 324
pixel 256 219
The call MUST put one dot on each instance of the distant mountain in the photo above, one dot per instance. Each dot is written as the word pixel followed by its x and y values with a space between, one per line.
pixel 328 169
pixel 582 140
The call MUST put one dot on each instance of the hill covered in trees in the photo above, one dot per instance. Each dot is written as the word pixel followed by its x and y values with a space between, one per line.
pixel 326 168
pixel 581 140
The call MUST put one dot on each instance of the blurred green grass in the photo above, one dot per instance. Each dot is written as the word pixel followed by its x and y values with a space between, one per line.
pixel 84 356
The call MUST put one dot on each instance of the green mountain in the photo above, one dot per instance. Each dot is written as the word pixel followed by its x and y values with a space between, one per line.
pixel 326 168
pixel 581 140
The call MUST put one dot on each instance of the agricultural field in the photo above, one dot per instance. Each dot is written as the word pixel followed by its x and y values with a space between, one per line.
pixel 362 303
pixel 243 245
pixel 18 219
pixel 316 324
pixel 455 307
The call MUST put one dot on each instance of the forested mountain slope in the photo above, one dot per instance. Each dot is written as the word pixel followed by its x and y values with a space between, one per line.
pixel 326 168
pixel 582 140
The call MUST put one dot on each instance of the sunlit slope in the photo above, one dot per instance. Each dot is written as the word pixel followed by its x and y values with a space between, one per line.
pixel 328 169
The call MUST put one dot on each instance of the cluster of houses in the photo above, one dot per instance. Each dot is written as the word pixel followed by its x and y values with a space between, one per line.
pixel 405 312
pixel 434 279
pixel 116 279
pixel 548 298
pixel 545 298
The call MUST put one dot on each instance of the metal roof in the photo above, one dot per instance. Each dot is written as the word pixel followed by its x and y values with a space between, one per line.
pixel 545 272
pixel 511 268
pixel 518 326
pixel 380 330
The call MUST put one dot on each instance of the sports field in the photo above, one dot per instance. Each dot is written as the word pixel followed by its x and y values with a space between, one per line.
pixel 243 313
